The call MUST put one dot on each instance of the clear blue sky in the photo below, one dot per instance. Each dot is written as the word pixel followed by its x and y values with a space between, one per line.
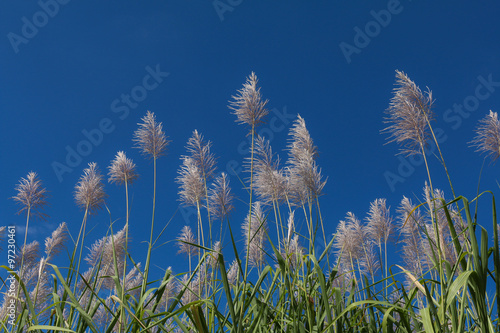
pixel 67 66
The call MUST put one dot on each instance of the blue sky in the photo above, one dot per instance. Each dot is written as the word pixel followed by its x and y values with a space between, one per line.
pixel 73 70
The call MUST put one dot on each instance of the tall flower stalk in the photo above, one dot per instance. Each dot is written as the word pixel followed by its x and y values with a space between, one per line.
pixel 380 229
pixel 269 181
pixel 304 176
pixel 250 109
pixel 220 200
pixel 186 239
pixel 31 196
pixel 199 150
pixel 122 171
pixel 89 195
pixel 150 139
pixel 409 115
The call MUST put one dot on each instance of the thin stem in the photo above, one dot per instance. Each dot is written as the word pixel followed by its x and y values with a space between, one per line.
pixel 82 230
pixel 125 255
pixel 322 229
pixel 249 218
pixel 150 245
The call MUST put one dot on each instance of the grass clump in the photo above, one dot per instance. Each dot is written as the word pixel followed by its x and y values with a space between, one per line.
pixel 288 276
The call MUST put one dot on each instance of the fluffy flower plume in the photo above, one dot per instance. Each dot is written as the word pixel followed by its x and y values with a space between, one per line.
pixel 192 292
pixel 435 201
pixel 214 255
pixel 232 273
pixel 292 250
pixel 133 281
pixel 55 243
pixel 187 236
pixel 410 223
pixel 248 104
pixel 352 245
pixel 190 180
pixel 31 195
pixel 291 226
pixel 408 115
pixel 305 179
pixel 220 197
pixel 487 139
pixel 122 169
pixel 29 255
pixel 149 137
pixel 201 154
pixel 379 219
pixel 346 240
pixel 169 293
pixel 89 191
pixel 254 231
pixel 269 181
pixel 101 257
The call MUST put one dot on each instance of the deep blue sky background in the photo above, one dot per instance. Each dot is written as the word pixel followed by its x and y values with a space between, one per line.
pixel 64 79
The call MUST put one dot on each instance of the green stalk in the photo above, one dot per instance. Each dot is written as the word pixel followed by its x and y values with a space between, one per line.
pixel 277 227
pixel 250 223
pixel 122 311
pixel 322 229
pixel 150 245
pixel 84 226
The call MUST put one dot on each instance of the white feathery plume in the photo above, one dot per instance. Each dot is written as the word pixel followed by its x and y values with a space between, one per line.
pixel 170 289
pixel 191 293
pixel 133 281
pixel 31 195
pixel 292 251
pixel 220 197
pixel 254 231
pixel 187 236
pixel 122 169
pixel 214 256
pixel 305 179
pixel 379 226
pixel 248 105
pixel 89 191
pixel 410 225
pixel 446 240
pixel 269 181
pixel 55 243
pixel 232 273
pixel 368 262
pixel 87 279
pixel 200 153
pixel 408 115
pixel 101 257
pixel 149 137
pixel 190 180
pixel 102 317
pixel 347 243
pixel 291 226
pixel 487 139
pixel 31 254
